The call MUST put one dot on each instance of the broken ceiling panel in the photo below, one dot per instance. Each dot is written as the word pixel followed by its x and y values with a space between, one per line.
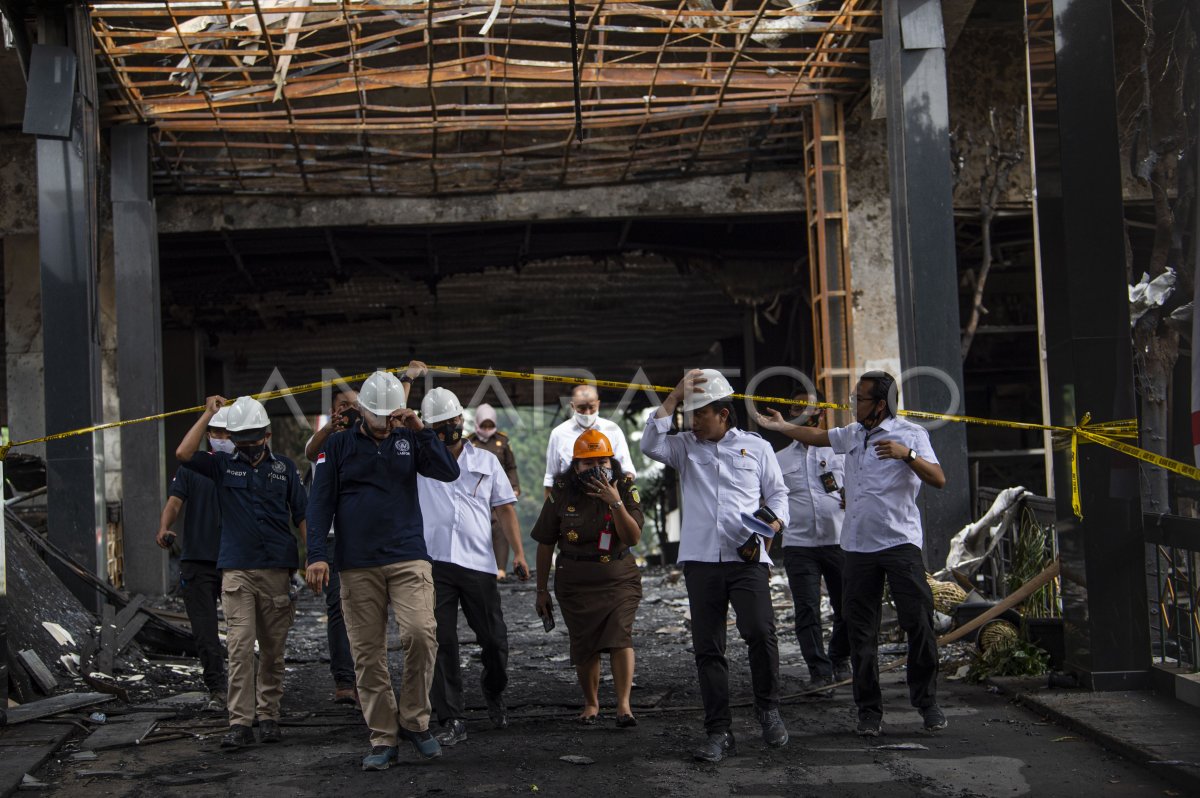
pixel 416 98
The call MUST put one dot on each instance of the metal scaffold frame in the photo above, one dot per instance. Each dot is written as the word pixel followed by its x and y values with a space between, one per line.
pixel 829 248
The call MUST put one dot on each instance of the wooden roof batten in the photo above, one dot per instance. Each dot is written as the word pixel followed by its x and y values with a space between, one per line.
pixel 416 98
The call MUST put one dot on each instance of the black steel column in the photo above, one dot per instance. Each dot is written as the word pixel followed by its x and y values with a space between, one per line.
pixel 1089 358
pixel 139 357
pixel 918 119
pixel 67 169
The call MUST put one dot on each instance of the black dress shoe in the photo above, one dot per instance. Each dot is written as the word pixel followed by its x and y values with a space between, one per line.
pixel 453 732
pixel 497 711
pixel 626 721
pixel 718 746
pixel 268 731
pixel 238 736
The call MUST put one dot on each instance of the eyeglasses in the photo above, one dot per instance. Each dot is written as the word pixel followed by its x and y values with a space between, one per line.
pixel 863 399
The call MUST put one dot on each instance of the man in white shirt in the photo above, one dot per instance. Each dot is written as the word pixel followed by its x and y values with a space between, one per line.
pixel 724 472
pixel 815 476
pixel 458 536
pixel 585 415
pixel 887 461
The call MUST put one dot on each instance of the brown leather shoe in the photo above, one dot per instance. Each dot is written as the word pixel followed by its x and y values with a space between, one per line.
pixel 346 695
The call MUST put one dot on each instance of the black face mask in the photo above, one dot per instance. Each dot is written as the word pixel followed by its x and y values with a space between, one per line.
pixel 449 434
pixel 251 451
pixel 596 472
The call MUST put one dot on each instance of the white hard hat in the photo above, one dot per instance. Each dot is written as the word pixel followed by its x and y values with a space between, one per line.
pixel 438 405
pixel 246 415
pixel 716 389
pixel 220 419
pixel 381 394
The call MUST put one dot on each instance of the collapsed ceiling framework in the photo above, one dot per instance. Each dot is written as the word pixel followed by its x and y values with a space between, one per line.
pixel 445 98
pixel 415 98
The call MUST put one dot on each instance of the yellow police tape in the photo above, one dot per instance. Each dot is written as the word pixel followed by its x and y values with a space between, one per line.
pixel 1104 434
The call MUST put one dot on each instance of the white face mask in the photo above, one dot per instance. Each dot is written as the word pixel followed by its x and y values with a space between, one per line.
pixel 586 421
pixel 484 435
pixel 221 445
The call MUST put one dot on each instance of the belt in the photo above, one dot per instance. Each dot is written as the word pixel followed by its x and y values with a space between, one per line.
pixel 593 557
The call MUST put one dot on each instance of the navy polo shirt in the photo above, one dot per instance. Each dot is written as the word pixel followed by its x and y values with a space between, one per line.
pixel 202 515
pixel 372 488
pixel 257 504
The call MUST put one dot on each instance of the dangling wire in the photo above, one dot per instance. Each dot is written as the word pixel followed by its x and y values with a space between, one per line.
pixel 575 72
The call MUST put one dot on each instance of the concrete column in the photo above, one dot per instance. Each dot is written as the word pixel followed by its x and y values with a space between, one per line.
pixel 23 343
pixel 1089 357
pixel 139 358
pixel 66 174
pixel 918 119
pixel 876 340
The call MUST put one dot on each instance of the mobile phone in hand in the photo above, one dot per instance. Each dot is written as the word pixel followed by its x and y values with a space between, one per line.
pixel 521 571
pixel 548 621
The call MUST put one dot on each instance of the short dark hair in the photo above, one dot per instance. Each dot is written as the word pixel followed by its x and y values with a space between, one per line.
pixel 883 386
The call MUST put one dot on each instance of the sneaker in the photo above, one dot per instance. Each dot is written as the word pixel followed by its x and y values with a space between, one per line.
pixel 935 719
pixel 775 734
pixel 238 736
pixel 453 732
pixel 216 701
pixel 868 725
pixel 818 687
pixel 380 758
pixel 268 731
pixel 842 671
pixel 718 746
pixel 425 743
pixel 497 710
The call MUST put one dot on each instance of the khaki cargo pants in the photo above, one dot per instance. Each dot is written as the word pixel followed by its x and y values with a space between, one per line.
pixel 257 608
pixel 407 587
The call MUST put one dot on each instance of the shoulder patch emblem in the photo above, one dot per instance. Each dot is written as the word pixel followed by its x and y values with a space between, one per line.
pixel 633 494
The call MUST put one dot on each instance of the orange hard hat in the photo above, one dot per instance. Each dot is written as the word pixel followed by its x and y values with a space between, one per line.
pixel 592 443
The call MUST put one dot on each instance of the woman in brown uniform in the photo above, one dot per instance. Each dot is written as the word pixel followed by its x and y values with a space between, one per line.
pixel 593 515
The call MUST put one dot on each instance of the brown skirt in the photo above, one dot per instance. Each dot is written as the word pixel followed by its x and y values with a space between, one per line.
pixel 598 602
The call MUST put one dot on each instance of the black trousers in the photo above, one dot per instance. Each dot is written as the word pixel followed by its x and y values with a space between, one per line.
pixel 711 588
pixel 805 566
pixel 200 584
pixel 477 594
pixel 862 586
pixel 341 661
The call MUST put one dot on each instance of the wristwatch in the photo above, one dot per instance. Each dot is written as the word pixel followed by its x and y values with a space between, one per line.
pixel 911 457
pixel 406 379
pixel 615 505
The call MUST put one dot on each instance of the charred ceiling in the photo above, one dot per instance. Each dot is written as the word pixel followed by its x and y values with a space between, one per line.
pixel 404 97
pixel 611 296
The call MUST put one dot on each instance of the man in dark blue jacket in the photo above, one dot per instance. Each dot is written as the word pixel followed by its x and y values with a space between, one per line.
pixel 260 496
pixel 367 476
